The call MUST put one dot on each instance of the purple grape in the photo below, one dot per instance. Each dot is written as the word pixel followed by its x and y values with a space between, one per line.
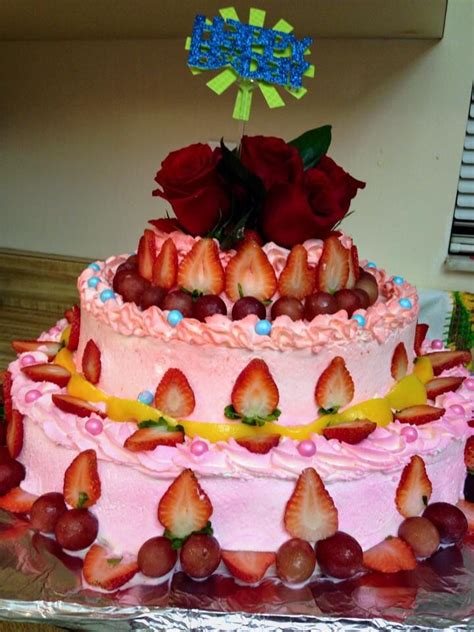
pixel 46 511
pixel 319 303
pixel 248 305
pixel 208 305
pixel 295 561
pixel 449 520
pixel 130 285
pixel 288 306
pixel 76 529
pixel 368 283
pixel 11 474
pixel 339 556
pixel 348 300
pixel 152 295
pixel 200 555
pixel 179 300
pixel 363 297
pixel 156 557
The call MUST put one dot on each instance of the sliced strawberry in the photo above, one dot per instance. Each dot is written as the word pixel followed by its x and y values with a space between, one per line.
pixel 14 436
pixel 47 373
pixel 174 396
pixel 184 507
pixel 68 314
pixel 259 444
pixel 104 570
pixel 7 395
pixel 75 405
pixel 146 254
pixel 443 360
pixel 201 269
pixel 419 415
pixel 255 393
pixel 165 224
pixel 390 556
pixel 335 387
pixel 354 269
pixel 414 489
pixel 91 363
pixel 399 366
pixel 469 454
pixel 333 267
pixel 441 385
pixel 73 341
pixel 297 278
pixel 49 347
pixel 310 513
pixel 350 432
pixel 248 566
pixel 81 481
pixel 250 235
pixel 250 273
pixel 420 335
pixel 468 510
pixel 151 436
pixel 165 267
pixel 17 501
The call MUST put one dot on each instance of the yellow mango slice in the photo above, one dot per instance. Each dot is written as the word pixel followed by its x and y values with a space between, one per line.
pixel 409 391
pixel 80 387
pixel 64 359
pixel 377 410
pixel 65 335
pixel 119 409
pixel 423 370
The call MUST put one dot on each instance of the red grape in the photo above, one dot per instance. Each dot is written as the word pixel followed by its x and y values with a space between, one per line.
pixel 126 266
pixel 288 306
pixel 46 511
pixel 248 305
pixel 5 453
pixel 200 555
pixel 152 295
pixel 295 561
pixel 208 305
pixel 131 286
pixel 421 535
pixel 76 529
pixel 11 474
pixel 348 300
pixel 180 301
pixel 319 303
pixel 339 556
pixel 449 520
pixel 363 297
pixel 132 261
pixel 368 283
pixel 156 557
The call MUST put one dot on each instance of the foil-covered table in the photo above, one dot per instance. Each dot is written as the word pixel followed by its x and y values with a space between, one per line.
pixel 39 582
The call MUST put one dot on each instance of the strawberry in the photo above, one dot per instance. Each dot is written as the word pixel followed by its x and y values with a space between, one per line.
pixel 7 395
pixel 420 335
pixel 75 405
pixel 333 267
pixel 399 362
pixel 68 314
pixel 255 393
pixel 441 385
pixel 81 481
pixel 310 513
pixel 248 566
pixel 419 415
pixel 414 489
pixel 468 510
pixel 184 507
pixel 350 432
pixel 259 444
pixel 354 270
pixel 250 235
pixel 17 501
pixel 91 364
pixel 443 360
pixel 335 387
pixel 174 396
pixel 201 269
pixel 297 279
pixel 49 347
pixel 146 254
pixel 250 273
pixel 390 556
pixel 151 435
pixel 73 341
pixel 47 373
pixel 469 454
pixel 104 570
pixel 15 434
pixel 165 267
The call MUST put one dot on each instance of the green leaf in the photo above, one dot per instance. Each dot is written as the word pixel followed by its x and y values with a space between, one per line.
pixel 83 498
pixel 312 145
pixel 253 421
pixel 328 411
pixel 231 413
pixel 274 415
pixel 152 423
pixel 114 561
pixel 194 294
pixel 177 543
pixel 241 291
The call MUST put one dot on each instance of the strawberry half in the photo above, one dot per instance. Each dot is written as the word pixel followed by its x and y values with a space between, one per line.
pixel 73 341
pixel 81 481
pixel 49 347
pixel 310 513
pixel 354 271
pixel 91 363
pixel 468 510
pixel 151 435
pixel 146 254
pixel 443 360
pixel 335 387
pixel 68 314
pixel 333 266
pixel 420 335
pixel 441 385
pixel 399 366
pixel 75 405
pixel 174 396
pixel 390 556
pixel 255 394
pixel 47 373
pixel 469 454
pixel 414 489
pixel 250 273
pixel 297 279
pixel 14 438
pixel 17 501
pixel 184 507
pixel 419 415
pixel 165 267
pixel 248 566
pixel 104 570
pixel 259 444
pixel 350 432
pixel 7 395
pixel 201 269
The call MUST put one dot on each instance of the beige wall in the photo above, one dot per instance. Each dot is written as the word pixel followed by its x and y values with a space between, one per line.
pixel 85 125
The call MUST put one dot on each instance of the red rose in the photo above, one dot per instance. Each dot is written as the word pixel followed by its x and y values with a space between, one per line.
pixel 271 159
pixel 190 183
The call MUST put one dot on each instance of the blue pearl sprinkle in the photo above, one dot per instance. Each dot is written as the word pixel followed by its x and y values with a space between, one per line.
pixel 371 264
pixel 106 295
pixel 405 303
pixel 263 327
pixel 146 397
pixel 94 266
pixel 93 282
pixel 359 319
pixel 175 317
pixel 398 280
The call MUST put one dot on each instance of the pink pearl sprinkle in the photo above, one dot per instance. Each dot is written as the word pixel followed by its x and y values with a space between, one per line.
pixel 27 360
pixel 456 409
pixel 94 426
pixel 469 383
pixel 199 447
pixel 410 434
pixel 307 447
pixel 437 344
pixel 32 396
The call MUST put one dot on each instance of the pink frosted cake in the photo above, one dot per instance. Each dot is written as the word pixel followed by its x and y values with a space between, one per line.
pixel 259 410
